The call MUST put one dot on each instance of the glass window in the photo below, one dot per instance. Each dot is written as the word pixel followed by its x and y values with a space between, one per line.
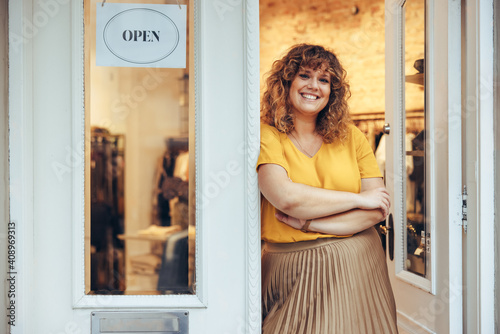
pixel 140 180
pixel 417 221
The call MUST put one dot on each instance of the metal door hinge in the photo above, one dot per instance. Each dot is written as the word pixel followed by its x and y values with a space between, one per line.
pixel 464 209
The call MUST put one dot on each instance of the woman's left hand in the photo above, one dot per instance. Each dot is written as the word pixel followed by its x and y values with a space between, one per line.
pixel 290 221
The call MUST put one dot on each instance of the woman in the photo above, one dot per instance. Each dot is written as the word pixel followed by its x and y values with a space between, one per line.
pixel 323 267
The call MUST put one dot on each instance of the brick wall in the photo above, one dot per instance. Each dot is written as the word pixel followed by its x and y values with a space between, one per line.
pixel 354 30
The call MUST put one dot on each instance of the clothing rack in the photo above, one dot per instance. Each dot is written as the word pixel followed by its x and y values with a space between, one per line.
pixel 107 152
pixel 107 212
pixel 379 116
pixel 372 124
pixel 177 144
pixel 165 169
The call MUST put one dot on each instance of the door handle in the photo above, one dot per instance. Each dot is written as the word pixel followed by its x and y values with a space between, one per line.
pixel 387 235
pixel 382 232
pixel 387 128
pixel 384 229
pixel 390 236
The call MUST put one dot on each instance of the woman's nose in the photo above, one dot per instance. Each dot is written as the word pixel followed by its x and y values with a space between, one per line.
pixel 313 83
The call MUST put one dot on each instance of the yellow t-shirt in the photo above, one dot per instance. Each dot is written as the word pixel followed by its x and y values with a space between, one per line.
pixel 335 166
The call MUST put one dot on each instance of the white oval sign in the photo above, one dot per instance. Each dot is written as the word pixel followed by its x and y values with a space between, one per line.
pixel 141 35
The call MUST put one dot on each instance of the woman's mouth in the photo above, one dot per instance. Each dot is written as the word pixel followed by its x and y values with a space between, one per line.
pixel 310 96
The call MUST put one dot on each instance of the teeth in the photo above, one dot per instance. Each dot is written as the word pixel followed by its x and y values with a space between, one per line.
pixel 310 97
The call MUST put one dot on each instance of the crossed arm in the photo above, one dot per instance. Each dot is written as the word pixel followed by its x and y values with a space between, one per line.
pixel 332 212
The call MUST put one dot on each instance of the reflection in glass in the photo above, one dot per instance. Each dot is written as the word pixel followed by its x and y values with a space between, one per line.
pixel 417 223
pixel 139 175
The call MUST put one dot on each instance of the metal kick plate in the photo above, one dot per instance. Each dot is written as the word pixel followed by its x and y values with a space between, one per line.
pixel 140 322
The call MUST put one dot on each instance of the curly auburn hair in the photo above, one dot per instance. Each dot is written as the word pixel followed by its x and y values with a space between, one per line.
pixel 333 121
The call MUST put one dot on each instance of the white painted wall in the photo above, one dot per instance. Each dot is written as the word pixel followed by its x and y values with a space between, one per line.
pixel 4 162
pixel 496 58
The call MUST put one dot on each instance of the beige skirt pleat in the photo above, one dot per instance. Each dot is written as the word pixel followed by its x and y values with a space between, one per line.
pixel 333 285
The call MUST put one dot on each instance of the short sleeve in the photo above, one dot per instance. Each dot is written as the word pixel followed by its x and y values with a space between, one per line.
pixel 271 149
pixel 367 163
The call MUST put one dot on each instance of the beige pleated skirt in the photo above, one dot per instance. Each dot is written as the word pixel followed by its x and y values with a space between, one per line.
pixel 333 285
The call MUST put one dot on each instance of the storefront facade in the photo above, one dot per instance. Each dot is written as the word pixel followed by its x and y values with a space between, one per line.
pixel 47 207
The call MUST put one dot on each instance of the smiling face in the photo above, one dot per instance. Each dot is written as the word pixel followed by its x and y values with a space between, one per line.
pixel 310 91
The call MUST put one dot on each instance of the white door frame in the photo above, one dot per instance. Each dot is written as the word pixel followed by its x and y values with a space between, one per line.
pixel 479 110
pixel 486 165
pixel 455 267
pixel 238 22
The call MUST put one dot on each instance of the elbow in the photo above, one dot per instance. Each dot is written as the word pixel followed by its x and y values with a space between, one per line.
pixel 280 192
pixel 287 203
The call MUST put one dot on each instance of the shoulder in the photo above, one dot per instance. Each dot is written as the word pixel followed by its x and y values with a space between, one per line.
pixel 354 131
pixel 269 132
pixel 355 135
pixel 271 147
pixel 268 129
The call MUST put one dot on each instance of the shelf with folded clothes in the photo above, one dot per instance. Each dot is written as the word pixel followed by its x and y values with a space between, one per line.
pixel 169 266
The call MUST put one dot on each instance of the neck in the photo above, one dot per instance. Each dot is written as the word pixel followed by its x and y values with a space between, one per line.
pixel 305 127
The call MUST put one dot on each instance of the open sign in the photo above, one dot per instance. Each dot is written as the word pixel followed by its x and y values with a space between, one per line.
pixel 135 35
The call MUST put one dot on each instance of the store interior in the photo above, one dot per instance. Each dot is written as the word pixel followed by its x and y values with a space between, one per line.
pixel 354 30
pixel 140 172
pixel 140 210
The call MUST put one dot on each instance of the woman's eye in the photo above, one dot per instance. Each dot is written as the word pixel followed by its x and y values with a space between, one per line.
pixel 324 80
pixel 303 76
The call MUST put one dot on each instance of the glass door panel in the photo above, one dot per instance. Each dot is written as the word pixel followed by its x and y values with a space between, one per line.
pixel 417 223
pixel 140 187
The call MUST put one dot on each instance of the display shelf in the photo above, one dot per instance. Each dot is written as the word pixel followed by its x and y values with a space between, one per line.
pixel 417 153
pixel 153 233
pixel 417 79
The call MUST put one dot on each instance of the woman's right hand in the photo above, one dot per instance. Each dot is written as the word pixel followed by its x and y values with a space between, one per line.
pixel 377 198
pixel 289 220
